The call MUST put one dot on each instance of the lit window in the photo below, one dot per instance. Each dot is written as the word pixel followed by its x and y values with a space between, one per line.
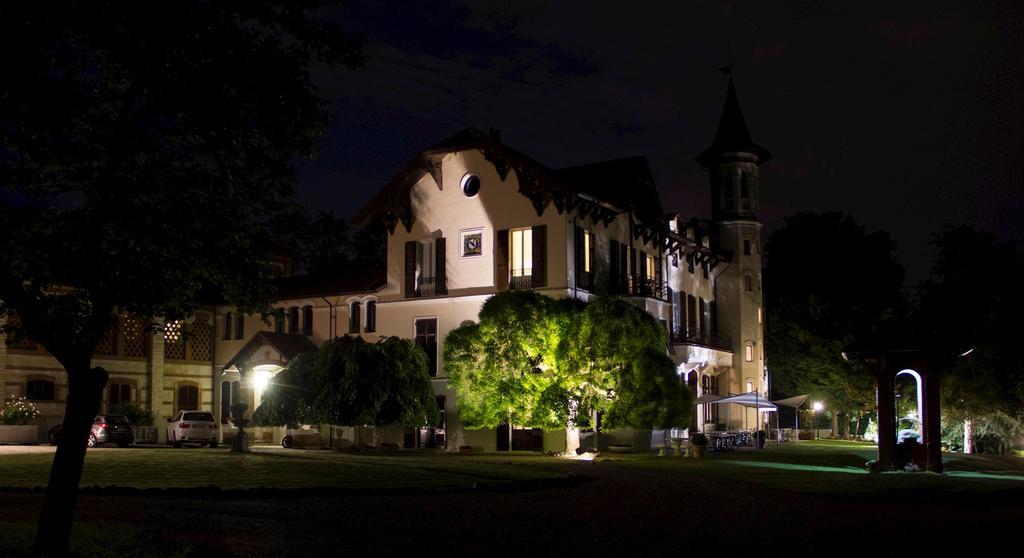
pixel 521 262
pixel 759 316
pixel 172 331
pixel 588 239
pixel 750 386
pixel 748 351
pixel 651 265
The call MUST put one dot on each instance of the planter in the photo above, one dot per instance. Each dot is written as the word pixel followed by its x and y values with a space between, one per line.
pixel 19 434
pixel 144 435
pixel 697 452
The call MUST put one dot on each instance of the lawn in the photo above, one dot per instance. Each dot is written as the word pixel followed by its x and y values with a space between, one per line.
pixel 812 498
pixel 838 468
pixel 276 468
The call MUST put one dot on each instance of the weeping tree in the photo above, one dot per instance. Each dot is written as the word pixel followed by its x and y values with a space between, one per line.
pixel 350 382
pixel 544 363
pixel 141 164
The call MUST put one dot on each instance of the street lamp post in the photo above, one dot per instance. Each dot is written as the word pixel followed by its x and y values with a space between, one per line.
pixel 817 409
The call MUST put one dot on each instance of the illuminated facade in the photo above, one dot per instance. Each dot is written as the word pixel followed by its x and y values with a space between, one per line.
pixel 469 217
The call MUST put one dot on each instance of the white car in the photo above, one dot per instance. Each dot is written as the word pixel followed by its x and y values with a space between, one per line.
pixel 193 427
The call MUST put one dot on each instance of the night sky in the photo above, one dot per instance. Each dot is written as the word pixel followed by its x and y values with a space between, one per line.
pixel 908 117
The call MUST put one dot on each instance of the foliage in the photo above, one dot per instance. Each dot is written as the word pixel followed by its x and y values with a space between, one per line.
pixel 18 410
pixel 544 363
pixel 351 382
pixel 699 439
pixel 135 415
pixel 142 164
pixel 852 297
pixel 324 243
pixel 985 373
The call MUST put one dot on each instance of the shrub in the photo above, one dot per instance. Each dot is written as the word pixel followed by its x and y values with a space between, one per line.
pixel 18 410
pixel 135 415
pixel 699 439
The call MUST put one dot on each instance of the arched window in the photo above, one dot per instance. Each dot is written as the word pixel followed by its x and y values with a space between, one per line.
pixel 371 316
pixel 748 352
pixel 240 326
pixel 279 321
pixel 353 317
pixel 227 326
pixel 293 319
pixel 748 283
pixel 187 398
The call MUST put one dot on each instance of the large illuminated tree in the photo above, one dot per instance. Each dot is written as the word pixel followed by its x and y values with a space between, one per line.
pixel 542 363
pixel 144 148
pixel 350 382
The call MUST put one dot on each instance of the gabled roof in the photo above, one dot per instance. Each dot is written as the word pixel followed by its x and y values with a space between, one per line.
pixel 625 183
pixel 601 188
pixel 288 344
pixel 732 135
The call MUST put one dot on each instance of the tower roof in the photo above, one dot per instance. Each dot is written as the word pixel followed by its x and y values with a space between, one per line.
pixel 732 135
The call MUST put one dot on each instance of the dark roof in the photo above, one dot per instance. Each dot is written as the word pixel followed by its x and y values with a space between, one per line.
pixel 347 281
pixel 732 135
pixel 288 344
pixel 625 183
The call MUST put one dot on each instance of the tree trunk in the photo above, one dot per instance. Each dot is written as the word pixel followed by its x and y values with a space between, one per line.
pixel 846 426
pixel 85 391
pixel 572 431
pixel 968 435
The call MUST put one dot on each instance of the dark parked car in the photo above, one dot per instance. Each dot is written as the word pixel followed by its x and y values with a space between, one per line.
pixel 106 429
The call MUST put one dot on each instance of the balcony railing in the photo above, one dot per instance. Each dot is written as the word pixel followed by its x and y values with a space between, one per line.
pixel 426 286
pixel 694 337
pixel 519 282
pixel 641 285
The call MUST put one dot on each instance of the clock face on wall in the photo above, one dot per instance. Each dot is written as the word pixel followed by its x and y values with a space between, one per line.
pixel 472 244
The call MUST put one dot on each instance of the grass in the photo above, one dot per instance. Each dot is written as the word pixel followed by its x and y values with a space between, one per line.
pixel 838 468
pixel 95 540
pixel 272 468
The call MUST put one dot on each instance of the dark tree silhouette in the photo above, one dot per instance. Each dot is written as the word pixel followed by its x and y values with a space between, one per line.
pixel 970 309
pixel 829 284
pixel 144 148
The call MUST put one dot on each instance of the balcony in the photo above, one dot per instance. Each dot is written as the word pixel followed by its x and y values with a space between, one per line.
pixel 693 337
pixel 426 286
pixel 641 285
pixel 520 282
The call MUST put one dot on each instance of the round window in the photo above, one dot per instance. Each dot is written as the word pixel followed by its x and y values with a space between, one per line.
pixel 470 185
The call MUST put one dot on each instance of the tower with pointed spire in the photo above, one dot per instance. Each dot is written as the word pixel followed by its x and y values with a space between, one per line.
pixel 733 165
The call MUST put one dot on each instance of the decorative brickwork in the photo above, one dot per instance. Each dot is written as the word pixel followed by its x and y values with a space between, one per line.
pixel 134 336
pixel 199 338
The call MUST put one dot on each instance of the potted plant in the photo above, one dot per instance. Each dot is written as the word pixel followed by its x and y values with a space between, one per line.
pixel 698 443
pixel 15 414
pixel 141 420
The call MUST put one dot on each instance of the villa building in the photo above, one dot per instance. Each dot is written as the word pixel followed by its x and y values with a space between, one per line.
pixel 467 218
